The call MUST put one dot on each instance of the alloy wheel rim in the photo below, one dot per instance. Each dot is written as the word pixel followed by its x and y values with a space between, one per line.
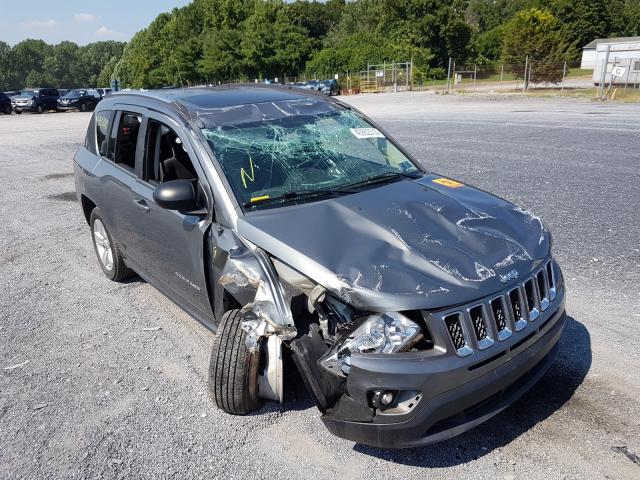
pixel 103 246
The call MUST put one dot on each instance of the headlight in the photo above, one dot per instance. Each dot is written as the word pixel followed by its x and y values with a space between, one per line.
pixel 30 102
pixel 381 333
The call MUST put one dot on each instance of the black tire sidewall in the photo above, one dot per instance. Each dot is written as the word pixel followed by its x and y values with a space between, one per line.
pixel 231 338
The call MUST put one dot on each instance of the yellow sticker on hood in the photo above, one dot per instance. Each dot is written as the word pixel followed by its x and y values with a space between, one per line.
pixel 447 182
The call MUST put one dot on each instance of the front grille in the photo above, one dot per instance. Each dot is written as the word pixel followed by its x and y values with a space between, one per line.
pixel 498 317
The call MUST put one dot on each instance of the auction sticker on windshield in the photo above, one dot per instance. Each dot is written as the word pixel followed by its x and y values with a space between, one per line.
pixel 366 133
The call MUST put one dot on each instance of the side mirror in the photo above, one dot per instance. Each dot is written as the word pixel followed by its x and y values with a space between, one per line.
pixel 176 195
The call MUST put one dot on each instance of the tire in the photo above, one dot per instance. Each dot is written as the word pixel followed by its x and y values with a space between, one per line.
pixel 40 109
pixel 232 370
pixel 7 110
pixel 83 107
pixel 115 269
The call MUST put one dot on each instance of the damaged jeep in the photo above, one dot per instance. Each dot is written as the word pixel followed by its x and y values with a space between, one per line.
pixel 413 306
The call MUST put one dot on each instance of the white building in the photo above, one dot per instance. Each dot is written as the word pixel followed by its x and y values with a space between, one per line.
pixel 590 51
pixel 620 62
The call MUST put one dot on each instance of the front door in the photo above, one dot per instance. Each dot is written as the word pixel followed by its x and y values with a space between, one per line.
pixel 169 245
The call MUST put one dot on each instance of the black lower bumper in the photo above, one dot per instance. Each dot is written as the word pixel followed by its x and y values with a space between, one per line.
pixel 447 403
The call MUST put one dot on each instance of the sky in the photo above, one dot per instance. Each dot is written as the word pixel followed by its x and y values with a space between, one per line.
pixel 82 22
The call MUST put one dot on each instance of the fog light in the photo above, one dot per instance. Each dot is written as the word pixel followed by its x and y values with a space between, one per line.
pixel 382 399
pixel 386 398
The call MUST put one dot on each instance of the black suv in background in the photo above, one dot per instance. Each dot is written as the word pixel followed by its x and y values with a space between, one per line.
pixel 5 104
pixel 35 100
pixel 79 99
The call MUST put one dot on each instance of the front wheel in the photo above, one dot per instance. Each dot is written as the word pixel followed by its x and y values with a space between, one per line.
pixel 40 109
pixel 107 251
pixel 233 379
pixel 7 110
pixel 83 107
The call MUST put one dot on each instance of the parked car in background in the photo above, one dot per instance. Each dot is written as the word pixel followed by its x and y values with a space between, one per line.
pixel 81 99
pixel 63 91
pixel 103 91
pixel 312 85
pixel 35 100
pixel 330 87
pixel 12 93
pixel 5 104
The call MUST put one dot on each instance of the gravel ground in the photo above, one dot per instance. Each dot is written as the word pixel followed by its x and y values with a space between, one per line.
pixel 101 380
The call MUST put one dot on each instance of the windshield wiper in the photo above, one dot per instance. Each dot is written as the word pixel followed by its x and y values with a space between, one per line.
pixel 295 195
pixel 381 178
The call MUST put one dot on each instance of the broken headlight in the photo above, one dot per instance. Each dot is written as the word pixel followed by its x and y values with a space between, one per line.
pixel 380 333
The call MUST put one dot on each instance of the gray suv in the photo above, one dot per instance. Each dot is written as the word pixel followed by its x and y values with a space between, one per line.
pixel 413 306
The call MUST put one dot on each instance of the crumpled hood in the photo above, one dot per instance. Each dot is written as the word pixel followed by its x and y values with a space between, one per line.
pixel 405 245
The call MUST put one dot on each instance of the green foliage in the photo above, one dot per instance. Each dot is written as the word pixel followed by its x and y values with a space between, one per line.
pixel 271 45
pixel 33 63
pixel 582 20
pixel 227 40
pixel 536 34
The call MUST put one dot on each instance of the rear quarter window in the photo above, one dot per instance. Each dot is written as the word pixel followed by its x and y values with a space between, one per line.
pixel 102 131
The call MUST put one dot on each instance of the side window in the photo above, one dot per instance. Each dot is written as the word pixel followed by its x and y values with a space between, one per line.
pixel 165 156
pixel 126 139
pixel 102 131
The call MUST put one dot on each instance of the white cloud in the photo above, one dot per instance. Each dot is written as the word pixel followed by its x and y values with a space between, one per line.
pixel 85 17
pixel 40 23
pixel 104 32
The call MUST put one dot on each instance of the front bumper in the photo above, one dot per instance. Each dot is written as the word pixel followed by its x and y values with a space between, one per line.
pixel 444 399
pixel 68 106
pixel 24 108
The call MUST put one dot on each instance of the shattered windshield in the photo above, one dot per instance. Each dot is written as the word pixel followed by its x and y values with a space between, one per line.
pixel 298 155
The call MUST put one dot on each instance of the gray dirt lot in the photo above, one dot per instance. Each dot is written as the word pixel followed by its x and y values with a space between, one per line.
pixel 101 397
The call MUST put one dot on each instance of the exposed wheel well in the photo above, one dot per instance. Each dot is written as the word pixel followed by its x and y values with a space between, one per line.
pixel 87 207
pixel 229 302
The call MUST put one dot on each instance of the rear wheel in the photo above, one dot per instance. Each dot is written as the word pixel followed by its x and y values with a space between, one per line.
pixel 7 109
pixel 233 380
pixel 40 109
pixel 107 251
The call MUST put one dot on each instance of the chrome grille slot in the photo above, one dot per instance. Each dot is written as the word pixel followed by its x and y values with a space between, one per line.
pixel 552 280
pixel 543 290
pixel 500 317
pixel 453 323
pixel 480 326
pixel 477 319
pixel 532 302
pixel 517 310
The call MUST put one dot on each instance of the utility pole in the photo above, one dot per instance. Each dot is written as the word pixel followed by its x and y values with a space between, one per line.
pixel 603 74
pixel 524 79
pixel 449 76
pixel 564 74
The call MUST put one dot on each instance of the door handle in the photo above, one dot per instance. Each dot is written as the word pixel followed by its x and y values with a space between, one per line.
pixel 140 203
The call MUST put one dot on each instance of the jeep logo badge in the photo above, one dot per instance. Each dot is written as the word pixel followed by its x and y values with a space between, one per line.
pixel 512 275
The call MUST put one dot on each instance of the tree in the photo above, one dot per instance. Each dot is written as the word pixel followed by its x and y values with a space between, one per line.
pixel 7 67
pixel 222 59
pixel 536 34
pixel 28 56
pixel 582 21
pixel 272 46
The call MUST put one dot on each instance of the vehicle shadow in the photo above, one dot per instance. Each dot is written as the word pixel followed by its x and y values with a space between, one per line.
pixel 555 388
